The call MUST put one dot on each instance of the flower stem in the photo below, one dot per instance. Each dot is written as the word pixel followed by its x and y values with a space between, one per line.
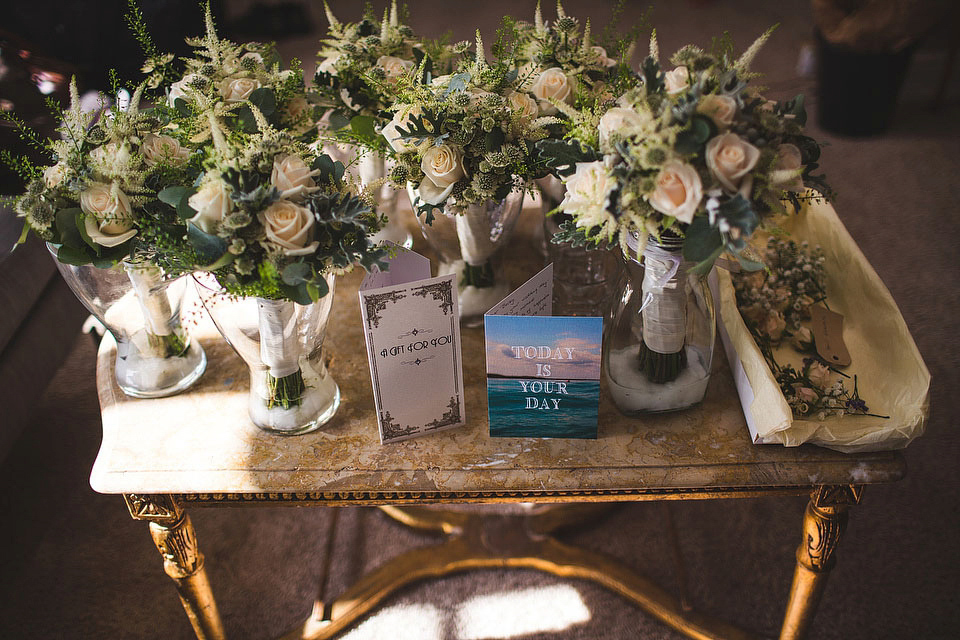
pixel 661 368
pixel 287 391
pixel 480 277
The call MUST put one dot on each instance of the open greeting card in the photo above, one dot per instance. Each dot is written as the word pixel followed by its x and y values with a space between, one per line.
pixel 543 371
pixel 412 328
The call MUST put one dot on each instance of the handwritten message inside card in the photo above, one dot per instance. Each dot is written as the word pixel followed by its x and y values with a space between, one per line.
pixel 543 371
pixel 412 330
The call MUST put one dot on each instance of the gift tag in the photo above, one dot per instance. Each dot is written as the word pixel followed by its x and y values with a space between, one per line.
pixel 827 327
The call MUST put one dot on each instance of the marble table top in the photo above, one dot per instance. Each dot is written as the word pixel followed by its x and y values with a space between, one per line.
pixel 202 441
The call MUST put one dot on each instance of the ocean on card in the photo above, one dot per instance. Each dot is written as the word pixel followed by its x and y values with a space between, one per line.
pixel 557 415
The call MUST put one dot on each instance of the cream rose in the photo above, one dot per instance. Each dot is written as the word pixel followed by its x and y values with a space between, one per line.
pixel 588 194
pixel 522 104
pixel 553 84
pixel 238 89
pixel 786 170
pixel 602 57
pixel 329 65
pixel 179 89
pixel 678 191
pixel 730 159
pixel 112 159
pixel 290 227
pixel 819 375
pixel 395 67
pixel 212 202
pixel 400 119
pixel 161 148
pixel 618 120
pixel 53 176
pixel 109 216
pixel 720 109
pixel 292 177
pixel 676 80
pixel 442 167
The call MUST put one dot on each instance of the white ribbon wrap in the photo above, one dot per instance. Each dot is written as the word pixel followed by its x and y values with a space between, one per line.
pixel 664 305
pixel 153 300
pixel 279 346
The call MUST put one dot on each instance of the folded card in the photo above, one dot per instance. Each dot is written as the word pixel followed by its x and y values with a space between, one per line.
pixel 543 371
pixel 412 328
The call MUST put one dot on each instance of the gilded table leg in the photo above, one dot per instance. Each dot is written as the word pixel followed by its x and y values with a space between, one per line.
pixel 176 539
pixel 823 522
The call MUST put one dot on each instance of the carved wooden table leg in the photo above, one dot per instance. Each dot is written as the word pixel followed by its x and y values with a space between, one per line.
pixel 823 522
pixel 174 535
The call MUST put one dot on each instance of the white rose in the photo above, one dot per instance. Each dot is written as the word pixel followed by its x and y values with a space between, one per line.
pixel 555 84
pixel 212 202
pixel 112 159
pixel 618 120
pixel 522 104
pixel 602 57
pixel 400 119
pixel 290 227
pixel 730 159
pixel 786 170
pixel 720 109
pixel 109 216
pixel 588 194
pixel 53 176
pixel 442 168
pixel 395 67
pixel 292 177
pixel 238 89
pixel 329 65
pixel 157 149
pixel 180 88
pixel 678 191
pixel 676 80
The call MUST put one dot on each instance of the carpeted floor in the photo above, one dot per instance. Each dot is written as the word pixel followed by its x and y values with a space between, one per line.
pixel 77 566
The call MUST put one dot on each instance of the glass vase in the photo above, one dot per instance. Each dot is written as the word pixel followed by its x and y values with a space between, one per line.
pixel 140 306
pixel 468 242
pixel 583 279
pixel 281 342
pixel 658 347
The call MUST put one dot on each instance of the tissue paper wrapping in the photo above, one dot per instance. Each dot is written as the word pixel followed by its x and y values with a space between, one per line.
pixel 891 376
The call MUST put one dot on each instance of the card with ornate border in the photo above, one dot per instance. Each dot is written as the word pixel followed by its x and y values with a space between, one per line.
pixel 412 330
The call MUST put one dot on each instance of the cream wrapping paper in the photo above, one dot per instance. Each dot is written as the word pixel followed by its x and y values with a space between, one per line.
pixel 892 378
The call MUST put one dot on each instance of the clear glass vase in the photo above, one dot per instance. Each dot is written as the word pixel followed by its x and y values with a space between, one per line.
pixel 583 279
pixel 468 242
pixel 140 306
pixel 658 347
pixel 281 342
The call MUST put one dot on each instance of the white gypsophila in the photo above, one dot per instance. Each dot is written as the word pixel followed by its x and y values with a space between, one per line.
pixel 720 109
pixel 290 227
pixel 588 194
pixel 730 159
pixel 553 84
pixel 678 191
pixel 676 80
pixel 161 148
pixel 108 218
pixel 212 202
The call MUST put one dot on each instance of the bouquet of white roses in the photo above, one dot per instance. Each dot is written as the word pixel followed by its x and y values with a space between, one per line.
pixel 693 151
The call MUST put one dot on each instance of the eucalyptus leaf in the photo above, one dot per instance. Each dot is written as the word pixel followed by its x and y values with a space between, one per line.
pixel 265 99
pixel 172 195
pixel 82 228
pixel 70 255
pixel 365 128
pixel 338 120
pixel 208 247
pixel 562 156
pixel 66 223
pixel 184 210
pixel 494 139
pixel 297 273
pixel 703 242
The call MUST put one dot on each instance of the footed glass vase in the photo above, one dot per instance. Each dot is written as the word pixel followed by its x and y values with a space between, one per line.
pixel 583 279
pixel 281 342
pixel 140 306
pixel 659 343
pixel 468 241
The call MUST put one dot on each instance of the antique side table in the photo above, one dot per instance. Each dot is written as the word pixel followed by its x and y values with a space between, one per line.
pixel 199 448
